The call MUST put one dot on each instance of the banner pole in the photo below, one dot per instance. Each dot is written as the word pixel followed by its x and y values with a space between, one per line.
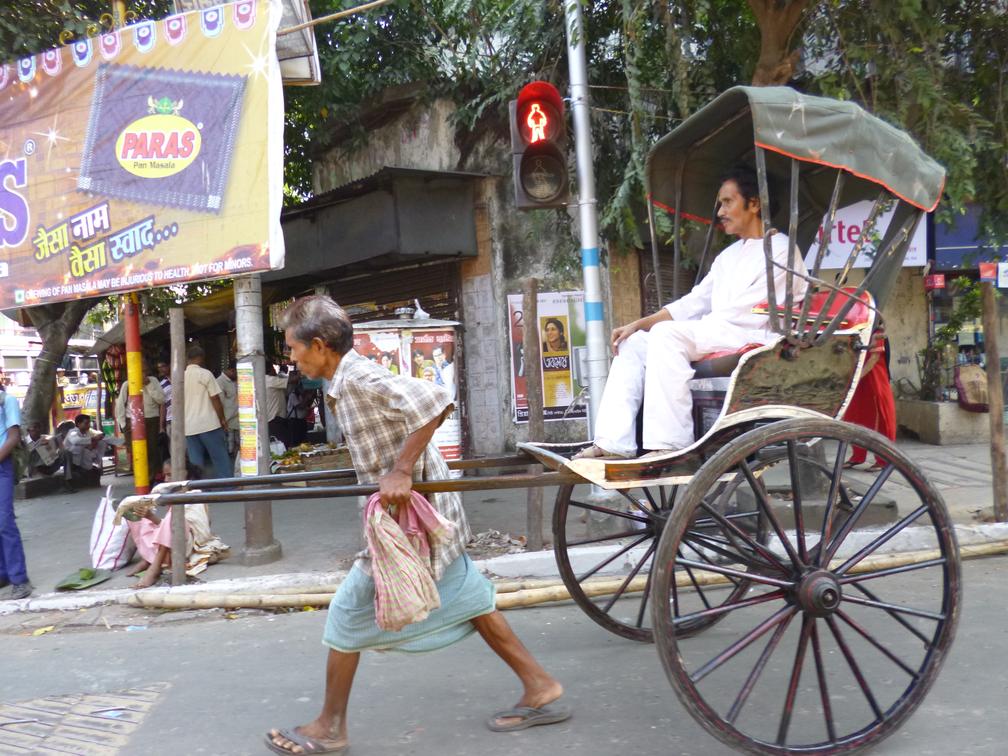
pixel 134 384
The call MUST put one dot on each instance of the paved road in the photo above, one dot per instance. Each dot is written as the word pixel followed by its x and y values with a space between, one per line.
pixel 213 685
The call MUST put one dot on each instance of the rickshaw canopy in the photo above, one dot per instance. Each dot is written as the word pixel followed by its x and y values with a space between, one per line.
pixel 824 134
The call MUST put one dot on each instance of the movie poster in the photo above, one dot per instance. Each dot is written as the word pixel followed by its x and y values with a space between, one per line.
pixel 428 354
pixel 561 333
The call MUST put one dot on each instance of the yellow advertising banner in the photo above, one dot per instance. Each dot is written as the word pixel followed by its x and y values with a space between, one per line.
pixel 148 156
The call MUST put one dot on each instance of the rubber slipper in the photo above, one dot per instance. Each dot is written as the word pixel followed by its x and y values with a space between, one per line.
pixel 848 465
pixel 308 745
pixel 528 717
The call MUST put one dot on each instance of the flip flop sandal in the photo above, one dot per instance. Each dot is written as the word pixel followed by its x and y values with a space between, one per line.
pixel 308 745
pixel 848 465
pixel 528 717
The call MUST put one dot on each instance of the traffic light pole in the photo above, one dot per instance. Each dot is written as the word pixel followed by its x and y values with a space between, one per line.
pixel 598 359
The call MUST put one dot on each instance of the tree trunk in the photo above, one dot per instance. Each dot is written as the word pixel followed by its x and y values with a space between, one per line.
pixel 56 324
pixel 777 21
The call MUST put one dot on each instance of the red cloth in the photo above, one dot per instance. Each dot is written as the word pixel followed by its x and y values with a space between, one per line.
pixel 873 406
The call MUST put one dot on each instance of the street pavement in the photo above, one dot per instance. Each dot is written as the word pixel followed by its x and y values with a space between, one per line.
pixel 201 683
pixel 320 536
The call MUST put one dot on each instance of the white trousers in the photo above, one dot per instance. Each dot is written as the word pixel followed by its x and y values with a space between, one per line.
pixel 652 368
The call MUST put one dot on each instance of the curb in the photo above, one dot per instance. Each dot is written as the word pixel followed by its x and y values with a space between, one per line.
pixel 536 564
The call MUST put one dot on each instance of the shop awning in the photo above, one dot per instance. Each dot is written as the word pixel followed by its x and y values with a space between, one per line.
pixel 394 216
pixel 961 246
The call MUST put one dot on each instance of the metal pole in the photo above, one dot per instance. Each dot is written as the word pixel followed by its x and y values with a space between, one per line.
pixel 995 403
pixel 534 395
pixel 598 358
pixel 176 321
pixel 134 384
pixel 260 546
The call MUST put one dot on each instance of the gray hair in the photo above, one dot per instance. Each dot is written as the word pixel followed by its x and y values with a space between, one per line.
pixel 319 317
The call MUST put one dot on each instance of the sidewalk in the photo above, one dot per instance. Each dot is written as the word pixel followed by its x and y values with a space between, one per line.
pixel 319 537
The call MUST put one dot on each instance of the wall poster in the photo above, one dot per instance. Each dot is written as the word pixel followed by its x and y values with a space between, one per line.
pixel 561 329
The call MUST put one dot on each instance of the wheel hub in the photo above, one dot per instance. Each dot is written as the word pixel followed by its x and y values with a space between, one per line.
pixel 819 593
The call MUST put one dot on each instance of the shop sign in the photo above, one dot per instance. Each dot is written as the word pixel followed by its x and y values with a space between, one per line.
pixel 849 227
pixel 147 156
pixel 1002 275
pixel 934 281
pixel 989 271
pixel 562 335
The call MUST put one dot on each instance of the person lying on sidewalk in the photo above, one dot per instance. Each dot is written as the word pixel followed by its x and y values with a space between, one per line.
pixel 152 536
pixel 388 422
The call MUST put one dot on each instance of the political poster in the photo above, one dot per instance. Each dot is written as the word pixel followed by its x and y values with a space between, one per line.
pixel 848 228
pixel 248 433
pixel 148 156
pixel 561 332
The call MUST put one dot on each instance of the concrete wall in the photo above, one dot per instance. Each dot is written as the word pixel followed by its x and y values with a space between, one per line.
pixel 511 246
pixel 906 321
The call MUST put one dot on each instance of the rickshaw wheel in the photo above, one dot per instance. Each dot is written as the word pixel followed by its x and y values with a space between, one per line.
pixel 837 643
pixel 629 530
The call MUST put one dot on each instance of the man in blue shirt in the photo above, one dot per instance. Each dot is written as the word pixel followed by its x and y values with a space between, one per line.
pixel 12 558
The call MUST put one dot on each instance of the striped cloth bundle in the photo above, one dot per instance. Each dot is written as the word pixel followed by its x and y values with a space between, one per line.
pixel 405 591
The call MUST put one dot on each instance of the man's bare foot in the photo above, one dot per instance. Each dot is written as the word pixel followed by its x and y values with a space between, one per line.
pixel 138 568
pixel 535 697
pixel 313 737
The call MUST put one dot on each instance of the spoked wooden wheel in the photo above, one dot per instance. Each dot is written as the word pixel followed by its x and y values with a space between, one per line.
pixel 839 638
pixel 604 551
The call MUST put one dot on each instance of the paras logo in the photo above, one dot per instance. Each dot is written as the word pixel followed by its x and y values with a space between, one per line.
pixel 161 143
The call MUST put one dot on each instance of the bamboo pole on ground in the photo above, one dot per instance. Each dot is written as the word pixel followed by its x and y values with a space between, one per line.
pixel 995 399
pixel 515 596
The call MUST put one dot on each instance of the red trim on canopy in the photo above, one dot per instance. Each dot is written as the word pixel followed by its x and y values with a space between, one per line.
pixel 874 180
pixel 688 216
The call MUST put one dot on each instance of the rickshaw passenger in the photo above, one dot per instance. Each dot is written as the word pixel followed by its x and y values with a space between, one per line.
pixel 653 354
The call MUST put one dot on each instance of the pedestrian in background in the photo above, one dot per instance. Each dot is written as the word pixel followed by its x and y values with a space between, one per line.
pixel 153 402
pixel 276 404
pixel 13 570
pixel 164 378
pixel 205 423
pixel 227 380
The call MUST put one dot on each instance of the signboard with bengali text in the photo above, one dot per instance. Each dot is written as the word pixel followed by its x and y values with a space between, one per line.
pixel 144 157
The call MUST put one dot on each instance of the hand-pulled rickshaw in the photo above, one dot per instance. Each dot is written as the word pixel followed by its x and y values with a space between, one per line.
pixel 783 624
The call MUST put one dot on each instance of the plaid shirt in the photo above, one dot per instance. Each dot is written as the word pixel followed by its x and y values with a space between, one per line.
pixel 377 411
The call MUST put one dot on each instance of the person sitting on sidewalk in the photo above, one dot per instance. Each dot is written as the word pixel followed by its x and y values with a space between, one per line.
pixel 653 354
pixel 152 536
pixel 45 454
pixel 389 422
pixel 84 449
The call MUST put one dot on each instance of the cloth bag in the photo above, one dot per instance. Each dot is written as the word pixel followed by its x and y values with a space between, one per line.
pixel 405 591
pixel 111 545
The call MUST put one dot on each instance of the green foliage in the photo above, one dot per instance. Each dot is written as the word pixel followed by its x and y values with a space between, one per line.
pixel 934 68
pixel 35 25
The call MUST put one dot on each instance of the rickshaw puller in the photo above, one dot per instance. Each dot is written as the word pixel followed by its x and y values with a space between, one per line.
pixel 653 354
pixel 389 422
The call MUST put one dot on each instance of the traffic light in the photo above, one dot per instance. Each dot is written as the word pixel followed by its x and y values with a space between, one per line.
pixel 538 141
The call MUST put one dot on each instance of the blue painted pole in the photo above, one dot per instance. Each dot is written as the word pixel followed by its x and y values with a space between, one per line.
pixel 598 344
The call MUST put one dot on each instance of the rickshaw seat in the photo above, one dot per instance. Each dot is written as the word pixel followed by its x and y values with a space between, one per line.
pixel 719 364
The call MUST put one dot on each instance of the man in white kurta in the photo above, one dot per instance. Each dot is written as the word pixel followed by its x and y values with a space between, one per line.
pixel 653 354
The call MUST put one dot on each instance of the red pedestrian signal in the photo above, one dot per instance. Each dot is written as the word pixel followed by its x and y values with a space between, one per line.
pixel 538 141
